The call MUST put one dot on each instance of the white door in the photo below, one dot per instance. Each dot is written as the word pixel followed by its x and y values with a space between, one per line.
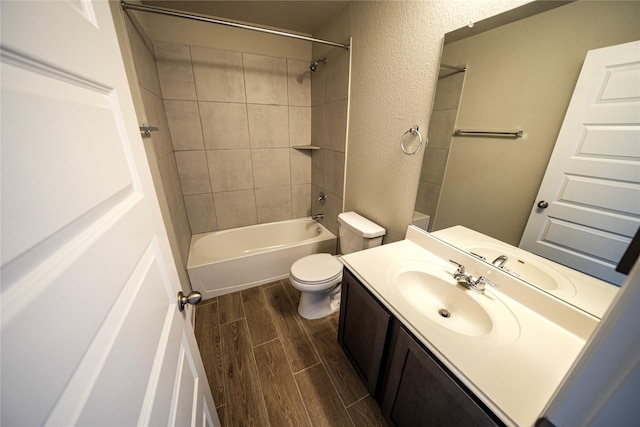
pixel 592 182
pixel 90 330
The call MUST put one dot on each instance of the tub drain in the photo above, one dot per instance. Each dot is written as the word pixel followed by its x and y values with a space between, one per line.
pixel 444 313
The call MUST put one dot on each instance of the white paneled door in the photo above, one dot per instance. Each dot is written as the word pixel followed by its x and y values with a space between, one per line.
pixel 90 330
pixel 588 206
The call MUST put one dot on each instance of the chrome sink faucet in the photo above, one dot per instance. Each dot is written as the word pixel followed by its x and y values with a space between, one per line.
pixel 468 281
pixel 500 261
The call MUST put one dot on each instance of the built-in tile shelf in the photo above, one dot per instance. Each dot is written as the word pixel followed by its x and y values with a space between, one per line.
pixel 306 147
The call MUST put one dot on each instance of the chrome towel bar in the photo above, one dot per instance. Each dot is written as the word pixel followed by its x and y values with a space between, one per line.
pixel 505 134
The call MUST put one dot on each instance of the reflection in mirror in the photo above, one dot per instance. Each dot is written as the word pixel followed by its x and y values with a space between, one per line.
pixel 580 290
pixel 520 75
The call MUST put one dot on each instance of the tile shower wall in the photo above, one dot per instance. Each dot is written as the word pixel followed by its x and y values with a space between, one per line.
pixel 441 127
pixel 234 118
pixel 159 148
pixel 330 100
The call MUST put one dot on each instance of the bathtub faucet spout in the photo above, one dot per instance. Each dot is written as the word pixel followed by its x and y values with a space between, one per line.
pixel 317 216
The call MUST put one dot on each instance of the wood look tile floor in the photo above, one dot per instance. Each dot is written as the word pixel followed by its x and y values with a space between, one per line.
pixel 267 366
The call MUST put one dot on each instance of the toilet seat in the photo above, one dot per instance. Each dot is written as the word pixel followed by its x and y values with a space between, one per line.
pixel 316 269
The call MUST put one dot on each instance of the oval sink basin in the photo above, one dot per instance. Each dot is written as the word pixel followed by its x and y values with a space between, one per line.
pixel 528 268
pixel 430 291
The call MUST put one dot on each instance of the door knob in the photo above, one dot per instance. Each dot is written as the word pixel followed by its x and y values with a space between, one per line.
pixel 543 205
pixel 193 298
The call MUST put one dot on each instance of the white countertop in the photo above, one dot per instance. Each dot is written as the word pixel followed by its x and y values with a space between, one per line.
pixel 516 377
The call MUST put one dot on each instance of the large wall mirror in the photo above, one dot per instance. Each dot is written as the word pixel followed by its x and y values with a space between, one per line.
pixel 520 70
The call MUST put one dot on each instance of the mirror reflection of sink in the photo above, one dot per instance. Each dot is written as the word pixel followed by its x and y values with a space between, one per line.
pixel 527 268
pixel 430 290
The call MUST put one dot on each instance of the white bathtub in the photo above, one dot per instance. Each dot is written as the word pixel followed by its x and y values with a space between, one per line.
pixel 226 261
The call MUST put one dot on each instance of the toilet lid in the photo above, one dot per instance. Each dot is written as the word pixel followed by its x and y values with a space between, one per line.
pixel 316 268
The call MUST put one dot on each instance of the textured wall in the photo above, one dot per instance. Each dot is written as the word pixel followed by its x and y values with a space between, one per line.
pixel 395 56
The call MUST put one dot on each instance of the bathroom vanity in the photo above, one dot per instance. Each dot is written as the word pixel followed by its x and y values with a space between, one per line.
pixel 414 385
pixel 430 350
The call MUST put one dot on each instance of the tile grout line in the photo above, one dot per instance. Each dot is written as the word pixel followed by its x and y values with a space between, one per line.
pixel 277 326
pixel 359 400
pixel 304 404
pixel 293 375
pixel 216 321
pixel 254 347
pixel 305 369
pixel 325 368
pixel 225 387
pixel 253 358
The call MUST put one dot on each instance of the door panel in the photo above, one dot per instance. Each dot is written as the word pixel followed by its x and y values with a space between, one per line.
pixel 127 329
pixel 597 141
pixel 90 329
pixel 56 103
pixel 185 390
pixel 61 306
pixel 607 246
pixel 592 182
pixel 600 193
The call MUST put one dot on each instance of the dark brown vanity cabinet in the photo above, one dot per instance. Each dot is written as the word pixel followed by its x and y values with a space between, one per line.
pixel 362 330
pixel 419 392
pixel 411 386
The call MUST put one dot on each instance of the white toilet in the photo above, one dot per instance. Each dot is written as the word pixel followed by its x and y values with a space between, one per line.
pixel 319 276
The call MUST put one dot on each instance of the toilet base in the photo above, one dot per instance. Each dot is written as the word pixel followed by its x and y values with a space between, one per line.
pixel 315 305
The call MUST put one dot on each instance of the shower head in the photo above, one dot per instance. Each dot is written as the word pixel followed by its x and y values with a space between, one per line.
pixel 313 67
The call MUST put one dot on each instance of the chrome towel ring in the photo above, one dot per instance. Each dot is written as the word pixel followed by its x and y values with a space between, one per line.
pixel 413 131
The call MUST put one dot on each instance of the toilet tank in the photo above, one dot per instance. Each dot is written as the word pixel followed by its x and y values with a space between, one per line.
pixel 358 233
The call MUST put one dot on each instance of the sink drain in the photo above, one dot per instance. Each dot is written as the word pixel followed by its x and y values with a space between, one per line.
pixel 444 313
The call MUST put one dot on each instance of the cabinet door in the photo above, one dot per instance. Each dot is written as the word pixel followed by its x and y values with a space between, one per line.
pixel 362 330
pixel 419 392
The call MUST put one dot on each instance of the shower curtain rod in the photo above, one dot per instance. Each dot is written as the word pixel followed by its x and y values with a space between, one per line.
pixel 451 67
pixel 179 14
